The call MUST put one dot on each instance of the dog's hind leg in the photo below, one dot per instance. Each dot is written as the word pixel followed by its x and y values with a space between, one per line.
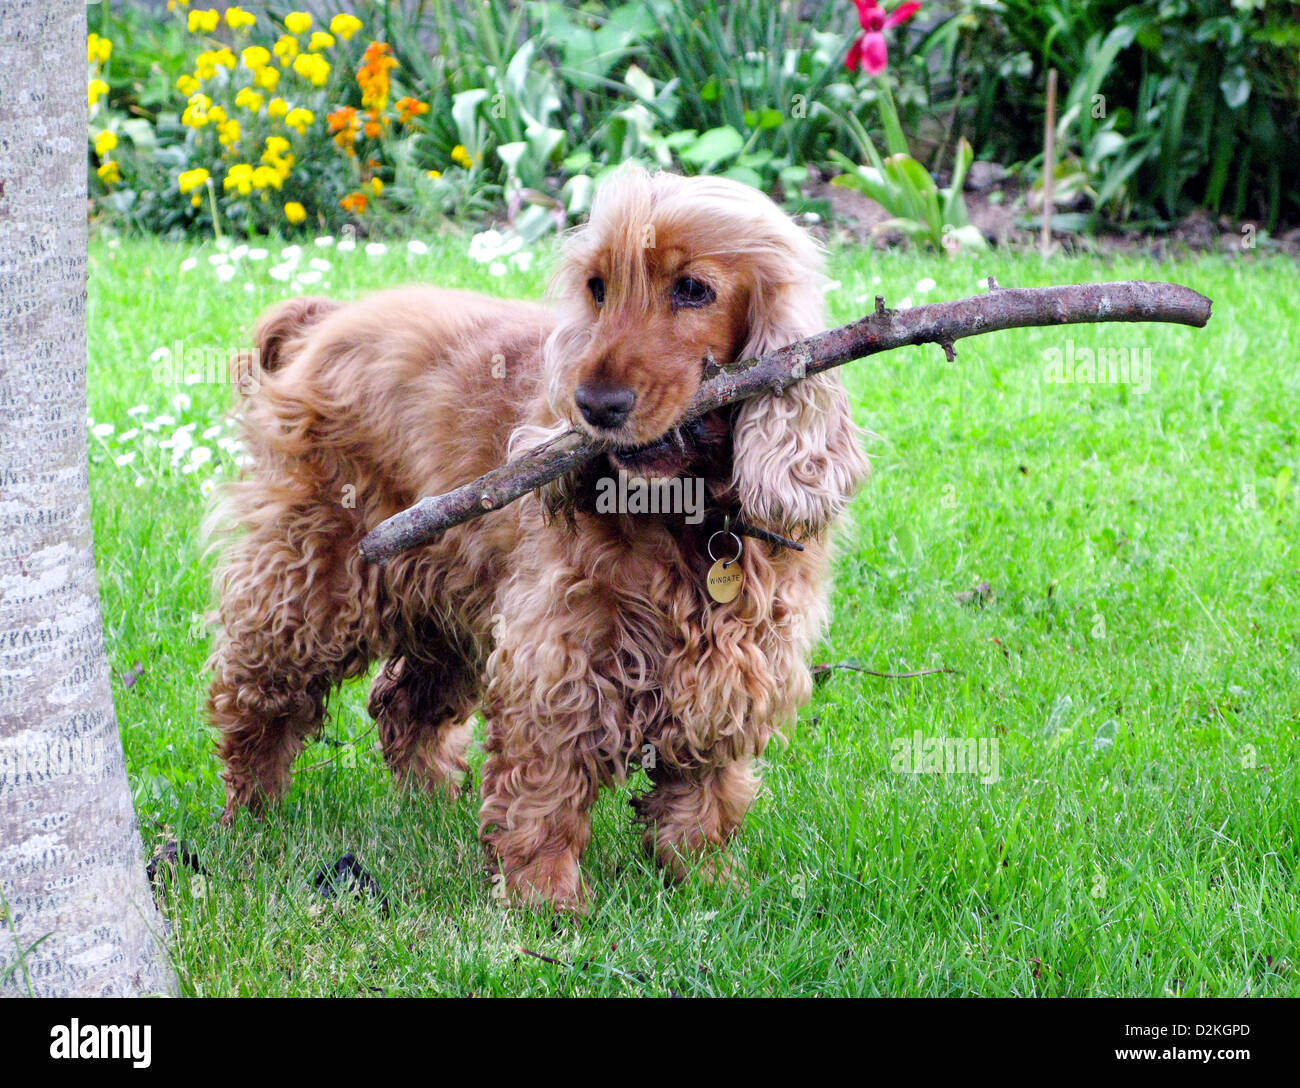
pixel 422 708
pixel 293 626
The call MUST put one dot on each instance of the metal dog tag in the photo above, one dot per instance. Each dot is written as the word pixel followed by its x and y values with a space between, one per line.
pixel 726 576
pixel 726 579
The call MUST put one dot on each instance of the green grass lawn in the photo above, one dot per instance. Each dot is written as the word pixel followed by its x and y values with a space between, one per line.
pixel 1136 659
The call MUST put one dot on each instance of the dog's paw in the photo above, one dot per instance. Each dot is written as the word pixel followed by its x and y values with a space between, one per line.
pixel 548 884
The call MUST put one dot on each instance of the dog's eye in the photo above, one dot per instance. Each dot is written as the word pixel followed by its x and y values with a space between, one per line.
pixel 597 288
pixel 692 293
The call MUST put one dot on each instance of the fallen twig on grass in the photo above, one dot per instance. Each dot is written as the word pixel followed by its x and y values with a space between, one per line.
pixel 820 672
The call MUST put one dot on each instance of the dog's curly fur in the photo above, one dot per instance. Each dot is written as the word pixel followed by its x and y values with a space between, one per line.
pixel 588 640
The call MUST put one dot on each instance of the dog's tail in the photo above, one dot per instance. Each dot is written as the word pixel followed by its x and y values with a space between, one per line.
pixel 276 331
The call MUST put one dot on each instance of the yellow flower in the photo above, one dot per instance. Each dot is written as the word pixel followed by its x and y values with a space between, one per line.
pixel 267 78
pixel 267 177
pixel 172 5
pixel 297 22
pixel 255 57
pixel 250 100
pixel 433 175
pixel 314 67
pixel 286 49
pixel 461 157
pixel 278 107
pixel 207 62
pixel 109 172
pixel 239 178
pixel 300 119
pixel 204 22
pixel 295 212
pixel 377 185
pixel 193 179
pixel 188 85
pixel 238 17
pixel 229 133
pixel 345 26
pixel 277 155
pixel 320 40
pixel 98 49
pixel 95 90
pixel 105 142
pixel 196 113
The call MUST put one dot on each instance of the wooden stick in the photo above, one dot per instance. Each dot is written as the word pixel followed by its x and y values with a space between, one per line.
pixel 941 323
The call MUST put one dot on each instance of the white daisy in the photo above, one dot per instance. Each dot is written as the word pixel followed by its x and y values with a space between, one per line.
pixel 376 249
pixel 417 247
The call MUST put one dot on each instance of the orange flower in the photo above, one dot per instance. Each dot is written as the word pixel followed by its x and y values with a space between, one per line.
pixel 345 124
pixel 374 126
pixel 373 75
pixel 409 108
pixel 356 203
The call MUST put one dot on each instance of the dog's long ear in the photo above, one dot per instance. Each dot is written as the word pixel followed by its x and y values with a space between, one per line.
pixel 797 457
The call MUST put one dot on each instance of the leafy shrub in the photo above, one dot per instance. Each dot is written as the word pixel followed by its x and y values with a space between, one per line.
pixel 1169 104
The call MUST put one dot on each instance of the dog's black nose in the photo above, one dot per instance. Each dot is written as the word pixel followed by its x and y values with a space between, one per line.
pixel 604 405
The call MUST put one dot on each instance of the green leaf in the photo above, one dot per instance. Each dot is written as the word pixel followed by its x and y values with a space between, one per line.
pixel 713 146
pixel 744 174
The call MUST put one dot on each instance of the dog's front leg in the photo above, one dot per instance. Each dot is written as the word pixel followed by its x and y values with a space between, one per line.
pixel 535 823
pixel 546 709
pixel 690 815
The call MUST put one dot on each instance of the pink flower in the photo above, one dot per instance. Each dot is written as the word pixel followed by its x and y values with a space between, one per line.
pixel 869 51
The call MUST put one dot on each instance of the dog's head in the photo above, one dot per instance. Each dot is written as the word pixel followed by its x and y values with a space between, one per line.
pixel 670 277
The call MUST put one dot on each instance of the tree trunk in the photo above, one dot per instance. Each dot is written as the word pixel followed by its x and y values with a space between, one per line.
pixel 80 917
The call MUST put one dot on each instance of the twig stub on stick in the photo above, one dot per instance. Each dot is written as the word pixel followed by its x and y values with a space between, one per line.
pixel 941 323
